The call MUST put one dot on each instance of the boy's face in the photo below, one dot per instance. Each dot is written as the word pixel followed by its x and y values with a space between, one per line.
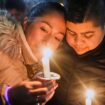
pixel 84 37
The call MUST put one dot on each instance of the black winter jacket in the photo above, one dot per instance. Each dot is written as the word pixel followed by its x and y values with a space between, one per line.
pixel 79 73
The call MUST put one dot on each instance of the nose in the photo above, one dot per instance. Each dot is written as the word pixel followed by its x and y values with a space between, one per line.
pixel 79 41
pixel 50 42
pixel 47 39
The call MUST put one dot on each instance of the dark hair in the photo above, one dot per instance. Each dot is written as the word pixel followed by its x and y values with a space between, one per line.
pixel 19 5
pixel 84 10
pixel 30 3
pixel 44 8
pixel 2 4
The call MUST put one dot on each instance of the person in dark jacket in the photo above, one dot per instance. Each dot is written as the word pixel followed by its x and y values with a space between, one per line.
pixel 81 59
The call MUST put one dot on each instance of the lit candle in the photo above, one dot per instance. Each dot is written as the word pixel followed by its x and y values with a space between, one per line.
pixel 45 60
pixel 89 95
pixel 88 101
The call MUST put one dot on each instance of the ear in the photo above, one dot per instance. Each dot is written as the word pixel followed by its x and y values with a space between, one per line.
pixel 25 23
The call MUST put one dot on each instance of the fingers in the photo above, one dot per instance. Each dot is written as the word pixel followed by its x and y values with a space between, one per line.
pixel 44 89
pixel 39 88
pixel 39 84
pixel 51 93
pixel 35 91
pixel 39 91
pixel 47 83
pixel 32 84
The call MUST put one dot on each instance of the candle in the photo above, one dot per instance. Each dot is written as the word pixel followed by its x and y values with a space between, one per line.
pixel 45 60
pixel 46 67
pixel 89 95
pixel 88 101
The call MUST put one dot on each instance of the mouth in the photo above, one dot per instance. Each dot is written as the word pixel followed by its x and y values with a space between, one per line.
pixel 80 50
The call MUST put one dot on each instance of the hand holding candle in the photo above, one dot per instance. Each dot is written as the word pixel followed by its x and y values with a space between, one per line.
pixel 46 75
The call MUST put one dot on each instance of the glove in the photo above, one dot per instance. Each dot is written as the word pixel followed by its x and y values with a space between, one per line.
pixel 29 92
pixel 20 96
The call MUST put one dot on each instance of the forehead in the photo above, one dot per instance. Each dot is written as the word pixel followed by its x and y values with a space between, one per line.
pixel 49 16
pixel 88 25
pixel 55 19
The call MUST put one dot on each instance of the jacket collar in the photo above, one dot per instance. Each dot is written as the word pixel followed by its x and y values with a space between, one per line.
pixel 28 56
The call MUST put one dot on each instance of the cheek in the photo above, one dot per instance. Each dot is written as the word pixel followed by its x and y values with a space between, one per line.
pixel 37 41
pixel 95 41
pixel 70 40
pixel 53 44
pixel 89 44
pixel 34 38
pixel 56 45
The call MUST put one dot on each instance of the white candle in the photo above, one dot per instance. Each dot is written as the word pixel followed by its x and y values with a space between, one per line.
pixel 88 101
pixel 46 67
pixel 45 60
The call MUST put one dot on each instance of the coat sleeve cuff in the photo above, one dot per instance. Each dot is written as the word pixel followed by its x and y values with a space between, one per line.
pixel 6 95
pixel 3 93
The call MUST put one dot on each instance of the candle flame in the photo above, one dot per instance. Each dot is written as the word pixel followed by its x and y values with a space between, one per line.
pixel 90 93
pixel 47 53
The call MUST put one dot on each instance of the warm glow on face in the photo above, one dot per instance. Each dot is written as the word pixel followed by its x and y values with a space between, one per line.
pixel 90 93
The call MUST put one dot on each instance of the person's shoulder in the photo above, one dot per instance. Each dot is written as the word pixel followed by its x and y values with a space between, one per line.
pixel 9 36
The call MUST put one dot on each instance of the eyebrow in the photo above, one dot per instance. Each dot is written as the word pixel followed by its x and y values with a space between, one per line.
pixel 47 23
pixel 71 30
pixel 82 32
pixel 87 32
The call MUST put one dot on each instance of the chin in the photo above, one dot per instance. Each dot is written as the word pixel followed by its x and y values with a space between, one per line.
pixel 80 52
